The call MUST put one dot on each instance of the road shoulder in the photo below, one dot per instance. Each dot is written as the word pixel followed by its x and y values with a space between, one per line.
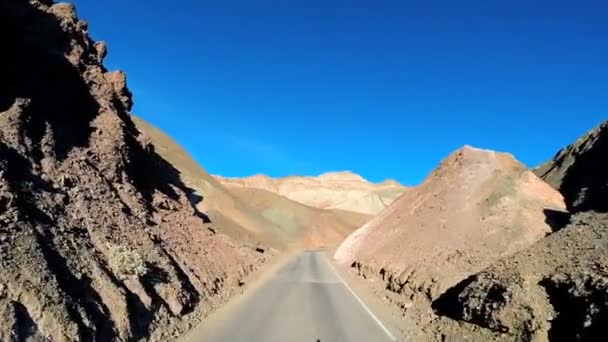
pixel 369 294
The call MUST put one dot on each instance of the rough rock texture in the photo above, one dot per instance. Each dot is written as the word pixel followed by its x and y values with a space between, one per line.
pixel 557 289
pixel 99 239
pixel 253 214
pixel 337 190
pixel 580 171
pixel 475 208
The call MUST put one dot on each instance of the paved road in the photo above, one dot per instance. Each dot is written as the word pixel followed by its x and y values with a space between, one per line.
pixel 304 301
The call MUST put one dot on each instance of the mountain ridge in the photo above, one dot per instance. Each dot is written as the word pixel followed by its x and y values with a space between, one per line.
pixel 342 190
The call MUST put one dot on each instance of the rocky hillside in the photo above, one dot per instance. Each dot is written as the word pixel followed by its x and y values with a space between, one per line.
pixel 99 238
pixel 338 190
pixel 253 214
pixel 228 214
pixel 475 208
pixel 309 227
pixel 557 289
pixel 579 171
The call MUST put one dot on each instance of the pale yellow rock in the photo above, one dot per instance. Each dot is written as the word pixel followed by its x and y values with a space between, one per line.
pixel 335 190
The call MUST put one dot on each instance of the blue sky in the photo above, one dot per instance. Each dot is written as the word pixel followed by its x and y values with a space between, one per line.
pixel 383 88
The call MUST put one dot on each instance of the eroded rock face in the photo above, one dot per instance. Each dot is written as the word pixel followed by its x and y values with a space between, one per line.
pixel 335 190
pixel 555 290
pixel 98 238
pixel 475 208
pixel 580 171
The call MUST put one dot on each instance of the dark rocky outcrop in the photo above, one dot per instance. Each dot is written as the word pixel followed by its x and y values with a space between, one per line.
pixel 580 171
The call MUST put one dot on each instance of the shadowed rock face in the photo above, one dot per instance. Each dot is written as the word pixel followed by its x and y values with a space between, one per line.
pixel 99 238
pixel 580 171
pixel 555 290
pixel 475 208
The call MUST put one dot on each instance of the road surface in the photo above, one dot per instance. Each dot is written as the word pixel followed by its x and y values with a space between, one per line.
pixel 304 301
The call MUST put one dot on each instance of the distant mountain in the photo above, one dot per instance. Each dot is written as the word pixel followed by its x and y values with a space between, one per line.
pixel 228 214
pixel 310 227
pixel 254 214
pixel 335 190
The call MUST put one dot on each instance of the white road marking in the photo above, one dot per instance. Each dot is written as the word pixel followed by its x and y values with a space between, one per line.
pixel 386 331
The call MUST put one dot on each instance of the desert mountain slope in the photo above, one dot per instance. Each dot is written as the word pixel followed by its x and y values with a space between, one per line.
pixel 557 289
pixel 475 208
pixel 312 227
pixel 99 238
pixel 258 214
pixel 579 171
pixel 336 190
pixel 228 214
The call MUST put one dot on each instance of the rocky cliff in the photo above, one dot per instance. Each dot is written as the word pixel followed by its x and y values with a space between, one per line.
pixel 99 238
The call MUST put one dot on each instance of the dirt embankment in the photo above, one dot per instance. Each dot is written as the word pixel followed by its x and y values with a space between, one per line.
pixel 99 238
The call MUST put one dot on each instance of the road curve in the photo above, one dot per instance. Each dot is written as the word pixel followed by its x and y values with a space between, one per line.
pixel 304 301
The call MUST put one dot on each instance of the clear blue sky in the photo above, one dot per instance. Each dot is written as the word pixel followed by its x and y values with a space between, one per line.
pixel 383 88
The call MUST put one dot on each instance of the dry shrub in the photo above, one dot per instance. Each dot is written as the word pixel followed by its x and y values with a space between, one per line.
pixel 125 262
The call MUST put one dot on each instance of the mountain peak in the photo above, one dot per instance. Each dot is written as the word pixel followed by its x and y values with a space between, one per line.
pixel 341 176
pixel 344 190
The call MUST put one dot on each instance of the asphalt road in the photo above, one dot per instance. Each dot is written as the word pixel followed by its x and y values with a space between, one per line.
pixel 304 301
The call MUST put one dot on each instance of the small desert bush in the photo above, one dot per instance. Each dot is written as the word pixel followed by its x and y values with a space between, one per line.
pixel 126 263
